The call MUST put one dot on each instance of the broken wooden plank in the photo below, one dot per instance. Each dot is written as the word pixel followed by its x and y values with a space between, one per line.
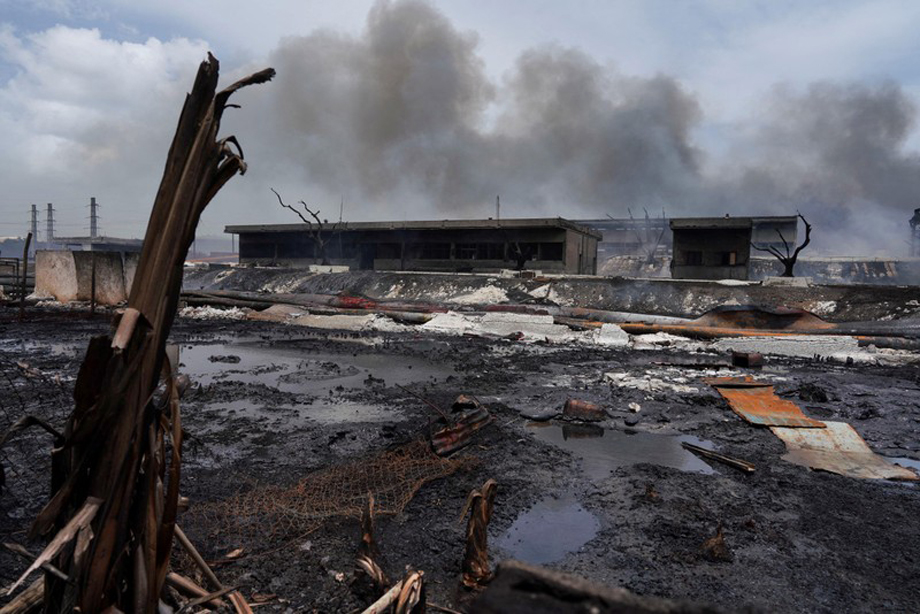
pixel 728 460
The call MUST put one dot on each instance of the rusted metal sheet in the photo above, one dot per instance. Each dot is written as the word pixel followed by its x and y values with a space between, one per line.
pixel 757 403
pixel 838 449
pixel 762 318
pixel 452 438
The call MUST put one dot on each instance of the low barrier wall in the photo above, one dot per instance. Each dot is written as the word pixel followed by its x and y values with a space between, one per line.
pixel 66 275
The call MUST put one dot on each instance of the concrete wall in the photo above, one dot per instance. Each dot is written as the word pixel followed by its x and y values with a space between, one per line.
pixel 56 275
pixel 67 276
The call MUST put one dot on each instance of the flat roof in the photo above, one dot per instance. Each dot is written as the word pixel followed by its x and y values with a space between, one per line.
pixel 552 222
pixel 97 240
pixel 689 223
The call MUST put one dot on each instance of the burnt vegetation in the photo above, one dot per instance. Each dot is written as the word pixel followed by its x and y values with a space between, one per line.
pixel 788 259
pixel 319 230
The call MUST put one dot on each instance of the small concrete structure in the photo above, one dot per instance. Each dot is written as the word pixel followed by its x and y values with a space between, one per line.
pixel 66 275
pixel 711 248
pixel 549 244
pixel 720 247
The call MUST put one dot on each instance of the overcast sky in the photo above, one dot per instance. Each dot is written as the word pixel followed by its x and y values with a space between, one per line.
pixel 428 110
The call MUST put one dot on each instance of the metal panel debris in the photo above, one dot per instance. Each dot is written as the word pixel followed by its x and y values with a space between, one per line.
pixel 838 449
pixel 757 403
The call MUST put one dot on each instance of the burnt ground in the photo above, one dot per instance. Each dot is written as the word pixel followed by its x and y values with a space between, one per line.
pixel 623 506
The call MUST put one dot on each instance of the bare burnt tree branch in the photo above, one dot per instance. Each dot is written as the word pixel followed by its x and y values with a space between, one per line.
pixel 646 246
pixel 788 261
pixel 318 230
pixel 783 239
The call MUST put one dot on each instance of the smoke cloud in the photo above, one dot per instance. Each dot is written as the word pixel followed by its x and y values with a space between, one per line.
pixel 405 121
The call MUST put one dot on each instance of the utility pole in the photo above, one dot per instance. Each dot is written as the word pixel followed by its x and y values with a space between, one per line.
pixel 35 224
pixel 50 218
pixel 93 218
pixel 498 208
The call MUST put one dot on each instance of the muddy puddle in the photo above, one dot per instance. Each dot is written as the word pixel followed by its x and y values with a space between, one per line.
pixel 556 526
pixel 903 461
pixel 603 450
pixel 24 347
pixel 322 380
pixel 548 531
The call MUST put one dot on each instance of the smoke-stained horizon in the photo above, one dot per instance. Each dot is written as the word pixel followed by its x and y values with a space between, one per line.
pixel 405 116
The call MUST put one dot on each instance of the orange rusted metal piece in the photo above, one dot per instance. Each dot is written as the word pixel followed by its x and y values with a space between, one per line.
pixel 757 403
pixel 741 321
pixel 762 318
pixel 839 449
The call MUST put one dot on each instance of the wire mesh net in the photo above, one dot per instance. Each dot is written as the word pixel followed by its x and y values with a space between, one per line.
pixel 268 516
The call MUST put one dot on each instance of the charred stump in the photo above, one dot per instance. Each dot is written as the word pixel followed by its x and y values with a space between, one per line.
pixel 476 570
pixel 115 479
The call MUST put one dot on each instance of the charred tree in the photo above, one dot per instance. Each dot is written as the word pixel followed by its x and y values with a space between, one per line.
pixel 789 259
pixel 648 244
pixel 115 477
pixel 318 230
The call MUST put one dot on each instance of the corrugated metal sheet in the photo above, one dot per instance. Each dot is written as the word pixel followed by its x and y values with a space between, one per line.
pixel 838 448
pixel 757 403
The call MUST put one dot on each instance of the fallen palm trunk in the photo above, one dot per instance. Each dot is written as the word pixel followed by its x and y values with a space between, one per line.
pixel 119 449
pixel 327 300
pixel 218 301
pixel 414 315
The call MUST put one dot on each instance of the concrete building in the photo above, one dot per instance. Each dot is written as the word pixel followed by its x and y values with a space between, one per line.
pixel 546 244
pixel 720 247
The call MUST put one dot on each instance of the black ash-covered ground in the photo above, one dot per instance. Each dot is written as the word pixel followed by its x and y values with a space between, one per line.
pixel 299 400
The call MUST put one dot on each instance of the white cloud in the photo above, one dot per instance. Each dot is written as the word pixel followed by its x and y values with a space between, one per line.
pixel 89 116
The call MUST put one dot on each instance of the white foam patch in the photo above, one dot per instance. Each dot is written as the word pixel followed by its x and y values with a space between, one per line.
pixel 835 347
pixel 656 341
pixel 649 383
pixel 278 313
pixel 213 313
pixel 450 323
pixel 610 335
pixel 364 322
pixel 487 295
